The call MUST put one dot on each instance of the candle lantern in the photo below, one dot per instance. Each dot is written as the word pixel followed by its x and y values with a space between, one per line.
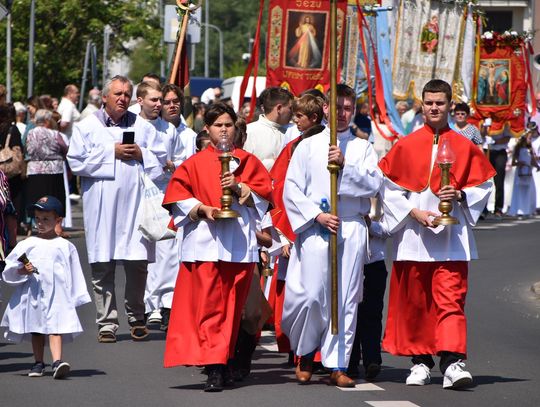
pixel 445 158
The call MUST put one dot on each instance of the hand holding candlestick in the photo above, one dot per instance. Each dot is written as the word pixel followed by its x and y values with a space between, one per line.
pixel 225 147
pixel 445 158
pixel 24 260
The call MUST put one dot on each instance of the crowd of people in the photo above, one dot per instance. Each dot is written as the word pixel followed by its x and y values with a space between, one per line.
pixel 246 240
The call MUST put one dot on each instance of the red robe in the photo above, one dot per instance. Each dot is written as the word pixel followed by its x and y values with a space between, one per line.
pixel 426 310
pixel 209 296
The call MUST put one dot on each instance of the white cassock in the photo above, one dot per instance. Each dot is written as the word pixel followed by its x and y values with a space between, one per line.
pixel 188 138
pixel 162 273
pixel 524 191
pixel 112 189
pixel 414 242
pixel 306 312
pixel 264 140
pixel 46 302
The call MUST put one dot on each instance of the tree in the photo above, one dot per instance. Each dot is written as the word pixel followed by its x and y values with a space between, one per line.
pixel 62 29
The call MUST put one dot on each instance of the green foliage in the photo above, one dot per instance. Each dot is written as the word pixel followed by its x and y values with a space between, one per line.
pixel 237 19
pixel 62 30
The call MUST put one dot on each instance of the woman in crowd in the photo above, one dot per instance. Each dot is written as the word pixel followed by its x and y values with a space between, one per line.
pixel 45 152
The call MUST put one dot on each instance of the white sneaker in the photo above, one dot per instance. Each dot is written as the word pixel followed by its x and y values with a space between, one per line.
pixel 154 317
pixel 455 377
pixel 420 375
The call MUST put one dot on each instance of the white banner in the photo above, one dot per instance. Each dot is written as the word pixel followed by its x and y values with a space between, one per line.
pixel 427 47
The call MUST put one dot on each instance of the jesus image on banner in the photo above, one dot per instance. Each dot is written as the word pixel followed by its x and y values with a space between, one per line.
pixel 493 82
pixel 302 43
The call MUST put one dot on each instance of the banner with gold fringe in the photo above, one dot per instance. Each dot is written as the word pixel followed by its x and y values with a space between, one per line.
pixel 500 85
pixel 298 46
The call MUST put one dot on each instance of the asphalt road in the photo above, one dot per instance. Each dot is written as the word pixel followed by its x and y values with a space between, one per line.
pixel 504 354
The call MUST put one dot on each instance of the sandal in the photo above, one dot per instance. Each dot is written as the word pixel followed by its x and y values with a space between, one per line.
pixel 106 337
pixel 139 332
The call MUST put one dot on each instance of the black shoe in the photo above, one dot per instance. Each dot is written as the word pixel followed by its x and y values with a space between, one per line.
pixel 37 369
pixel 214 383
pixel 165 317
pixel 60 369
pixel 354 370
pixel 290 360
pixel 228 377
pixel 372 371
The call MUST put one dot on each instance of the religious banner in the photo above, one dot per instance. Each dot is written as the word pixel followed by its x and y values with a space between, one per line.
pixel 298 46
pixel 500 84
pixel 427 46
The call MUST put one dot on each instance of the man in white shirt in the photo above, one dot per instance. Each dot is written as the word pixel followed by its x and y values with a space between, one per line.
pixel 173 106
pixel 68 109
pixel 265 136
pixel 111 169
pixel 163 272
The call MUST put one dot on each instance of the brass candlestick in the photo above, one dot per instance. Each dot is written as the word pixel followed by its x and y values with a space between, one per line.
pixel 445 207
pixel 227 195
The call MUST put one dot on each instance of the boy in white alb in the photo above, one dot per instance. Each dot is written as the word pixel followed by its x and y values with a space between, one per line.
pixel 50 286
pixel 306 311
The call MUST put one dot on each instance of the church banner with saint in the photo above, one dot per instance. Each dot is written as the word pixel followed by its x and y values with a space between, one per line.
pixel 427 45
pixel 500 86
pixel 298 47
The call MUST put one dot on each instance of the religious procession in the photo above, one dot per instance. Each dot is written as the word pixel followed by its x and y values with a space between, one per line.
pixel 328 198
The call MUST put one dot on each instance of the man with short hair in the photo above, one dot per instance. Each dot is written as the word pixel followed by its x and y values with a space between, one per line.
pixel 162 273
pixel 68 109
pixel 93 103
pixel 112 190
pixel 306 310
pixel 147 77
pixel 265 136
pixel 428 286
pixel 173 106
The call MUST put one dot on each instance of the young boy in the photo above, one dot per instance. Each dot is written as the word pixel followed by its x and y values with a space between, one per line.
pixel 306 314
pixel 50 286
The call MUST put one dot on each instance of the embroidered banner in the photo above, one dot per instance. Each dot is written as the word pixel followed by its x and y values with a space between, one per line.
pixel 427 46
pixel 298 46
pixel 500 87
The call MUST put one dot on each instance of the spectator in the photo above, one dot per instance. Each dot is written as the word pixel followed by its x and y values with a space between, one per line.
pixel 93 103
pixel 45 152
pixel 461 114
pixel 20 116
pixel 211 95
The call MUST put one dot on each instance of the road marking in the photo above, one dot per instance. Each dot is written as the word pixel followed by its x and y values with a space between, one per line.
pixel 269 347
pixel 397 403
pixel 362 387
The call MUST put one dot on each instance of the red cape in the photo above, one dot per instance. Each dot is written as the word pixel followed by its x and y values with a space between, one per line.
pixel 280 220
pixel 408 163
pixel 199 177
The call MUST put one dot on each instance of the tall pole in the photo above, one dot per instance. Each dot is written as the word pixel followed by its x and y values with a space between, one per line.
pixel 161 42
pixel 30 89
pixel 8 58
pixel 333 168
pixel 206 35
pixel 106 36
pixel 220 33
pixel 85 70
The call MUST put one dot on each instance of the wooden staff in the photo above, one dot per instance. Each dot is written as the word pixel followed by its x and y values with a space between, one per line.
pixel 333 168
pixel 181 38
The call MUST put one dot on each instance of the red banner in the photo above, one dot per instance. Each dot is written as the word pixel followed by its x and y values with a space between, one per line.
pixel 501 85
pixel 298 46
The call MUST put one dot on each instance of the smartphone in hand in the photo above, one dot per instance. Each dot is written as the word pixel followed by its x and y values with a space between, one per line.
pixel 128 137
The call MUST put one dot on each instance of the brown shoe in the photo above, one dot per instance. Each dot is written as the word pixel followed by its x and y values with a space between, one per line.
pixel 340 379
pixel 304 369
